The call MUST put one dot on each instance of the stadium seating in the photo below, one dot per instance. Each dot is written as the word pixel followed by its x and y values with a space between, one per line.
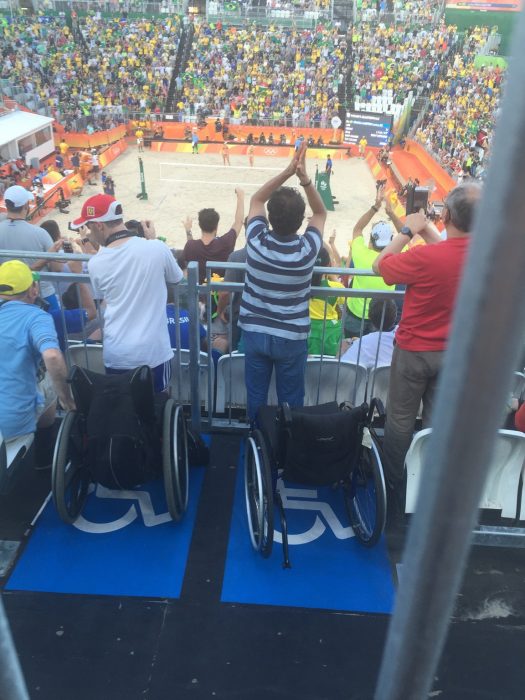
pixel 304 79
pixel 502 484
pixel 90 77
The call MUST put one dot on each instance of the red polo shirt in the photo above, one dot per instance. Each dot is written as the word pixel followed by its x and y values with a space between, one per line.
pixel 432 274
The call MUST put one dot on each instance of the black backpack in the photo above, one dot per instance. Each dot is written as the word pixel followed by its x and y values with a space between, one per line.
pixel 123 438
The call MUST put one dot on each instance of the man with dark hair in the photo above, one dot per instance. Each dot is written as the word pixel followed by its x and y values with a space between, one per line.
pixel 274 307
pixel 18 234
pixel 28 336
pixel 130 273
pixel 210 247
pixel 432 274
pixel 362 256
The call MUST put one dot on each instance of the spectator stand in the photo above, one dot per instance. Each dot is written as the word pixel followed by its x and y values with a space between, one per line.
pixel 327 378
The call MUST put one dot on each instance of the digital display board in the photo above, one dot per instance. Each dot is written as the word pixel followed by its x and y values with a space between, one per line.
pixel 486 5
pixel 373 126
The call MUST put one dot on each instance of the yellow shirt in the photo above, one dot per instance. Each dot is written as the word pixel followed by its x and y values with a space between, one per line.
pixel 362 259
pixel 317 305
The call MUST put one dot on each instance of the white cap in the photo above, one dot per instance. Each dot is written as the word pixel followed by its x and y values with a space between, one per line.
pixel 17 196
pixel 381 234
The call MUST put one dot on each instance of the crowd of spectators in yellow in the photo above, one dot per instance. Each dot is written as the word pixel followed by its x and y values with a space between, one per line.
pixel 270 73
pixel 91 77
pixel 463 110
pixel 398 59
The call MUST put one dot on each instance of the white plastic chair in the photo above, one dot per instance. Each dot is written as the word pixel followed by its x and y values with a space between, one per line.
pixel 231 384
pixel 87 357
pixel 501 486
pixel 378 383
pixel 331 380
pixel 518 387
pixel 182 393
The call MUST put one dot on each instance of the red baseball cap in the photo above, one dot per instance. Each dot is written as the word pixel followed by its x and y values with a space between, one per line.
pixel 101 208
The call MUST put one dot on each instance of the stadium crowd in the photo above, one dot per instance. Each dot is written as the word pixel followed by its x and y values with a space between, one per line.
pixel 91 77
pixel 463 109
pixel 272 74
pixel 399 59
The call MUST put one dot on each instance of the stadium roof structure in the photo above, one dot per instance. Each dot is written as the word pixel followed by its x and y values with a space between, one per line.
pixel 15 125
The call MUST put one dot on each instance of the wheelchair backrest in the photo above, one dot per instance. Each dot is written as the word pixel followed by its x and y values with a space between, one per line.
pixel 122 438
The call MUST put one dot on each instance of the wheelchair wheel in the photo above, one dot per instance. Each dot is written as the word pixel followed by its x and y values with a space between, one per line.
pixel 258 491
pixel 365 495
pixel 69 477
pixel 175 459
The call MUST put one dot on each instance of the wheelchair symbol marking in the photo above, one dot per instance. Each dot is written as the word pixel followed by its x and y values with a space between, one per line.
pixel 143 505
pixel 318 528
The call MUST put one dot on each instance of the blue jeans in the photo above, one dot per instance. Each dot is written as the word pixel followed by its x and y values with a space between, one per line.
pixel 264 352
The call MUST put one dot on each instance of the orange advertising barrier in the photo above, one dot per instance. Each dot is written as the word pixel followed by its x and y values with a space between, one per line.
pixel 440 176
pixel 109 155
pixel 176 130
pixel 241 149
pixel 99 138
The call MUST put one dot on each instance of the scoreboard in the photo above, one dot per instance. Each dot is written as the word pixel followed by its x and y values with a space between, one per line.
pixel 375 127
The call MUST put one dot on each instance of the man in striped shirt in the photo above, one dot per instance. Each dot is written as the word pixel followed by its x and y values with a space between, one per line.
pixel 274 313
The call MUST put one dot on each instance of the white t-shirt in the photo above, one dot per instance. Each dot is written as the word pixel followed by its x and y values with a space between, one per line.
pixel 131 278
pixel 367 355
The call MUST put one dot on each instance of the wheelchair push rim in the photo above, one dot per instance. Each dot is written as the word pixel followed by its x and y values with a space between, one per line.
pixel 365 496
pixel 175 459
pixel 69 477
pixel 258 494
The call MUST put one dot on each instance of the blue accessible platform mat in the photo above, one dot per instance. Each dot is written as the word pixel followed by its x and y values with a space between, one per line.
pixel 124 544
pixel 330 568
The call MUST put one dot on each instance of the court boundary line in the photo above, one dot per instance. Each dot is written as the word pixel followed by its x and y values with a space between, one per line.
pixel 205 165
pixel 213 182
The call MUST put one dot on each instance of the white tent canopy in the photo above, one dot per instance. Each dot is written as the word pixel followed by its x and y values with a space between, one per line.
pixel 27 135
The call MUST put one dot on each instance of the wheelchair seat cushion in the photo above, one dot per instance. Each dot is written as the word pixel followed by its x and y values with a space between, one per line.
pixel 322 445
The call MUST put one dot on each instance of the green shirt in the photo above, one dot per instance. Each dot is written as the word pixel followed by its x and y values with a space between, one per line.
pixel 362 258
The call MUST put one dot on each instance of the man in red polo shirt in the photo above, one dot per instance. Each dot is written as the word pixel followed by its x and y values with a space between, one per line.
pixel 432 274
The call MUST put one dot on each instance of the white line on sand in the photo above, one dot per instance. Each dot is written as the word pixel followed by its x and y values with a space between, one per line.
pixel 198 165
pixel 213 182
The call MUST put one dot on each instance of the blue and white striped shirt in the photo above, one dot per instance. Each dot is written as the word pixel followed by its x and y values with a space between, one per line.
pixel 278 279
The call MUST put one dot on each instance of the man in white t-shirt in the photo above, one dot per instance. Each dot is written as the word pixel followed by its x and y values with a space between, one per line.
pixel 366 350
pixel 130 274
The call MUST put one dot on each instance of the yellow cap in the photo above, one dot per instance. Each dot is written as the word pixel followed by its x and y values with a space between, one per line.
pixel 15 277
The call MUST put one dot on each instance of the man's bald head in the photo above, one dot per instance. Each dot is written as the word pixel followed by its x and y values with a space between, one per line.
pixel 461 205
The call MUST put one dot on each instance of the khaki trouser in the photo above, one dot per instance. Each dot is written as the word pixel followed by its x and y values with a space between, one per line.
pixel 413 378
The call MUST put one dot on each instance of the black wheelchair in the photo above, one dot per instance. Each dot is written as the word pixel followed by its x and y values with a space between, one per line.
pixel 121 435
pixel 325 445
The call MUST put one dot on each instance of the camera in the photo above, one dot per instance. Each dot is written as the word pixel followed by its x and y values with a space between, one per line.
pixel 42 304
pixel 136 227
pixel 67 247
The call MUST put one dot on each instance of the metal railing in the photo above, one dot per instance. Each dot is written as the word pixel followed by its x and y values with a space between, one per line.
pixel 284 13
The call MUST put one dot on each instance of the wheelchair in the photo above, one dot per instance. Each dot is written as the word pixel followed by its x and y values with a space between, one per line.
pixel 325 445
pixel 121 435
